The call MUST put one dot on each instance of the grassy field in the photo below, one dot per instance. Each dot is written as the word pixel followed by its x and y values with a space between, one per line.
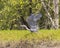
pixel 9 35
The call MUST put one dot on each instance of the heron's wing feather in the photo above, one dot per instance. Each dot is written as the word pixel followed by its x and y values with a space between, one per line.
pixel 37 17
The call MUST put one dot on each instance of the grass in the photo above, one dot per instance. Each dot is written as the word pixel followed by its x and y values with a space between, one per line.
pixel 9 35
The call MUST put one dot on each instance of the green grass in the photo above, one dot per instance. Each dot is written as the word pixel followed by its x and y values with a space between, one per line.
pixel 9 35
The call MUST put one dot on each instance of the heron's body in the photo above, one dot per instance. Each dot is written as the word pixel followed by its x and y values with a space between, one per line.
pixel 32 21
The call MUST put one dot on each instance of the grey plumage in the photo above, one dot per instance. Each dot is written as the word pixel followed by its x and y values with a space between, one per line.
pixel 32 21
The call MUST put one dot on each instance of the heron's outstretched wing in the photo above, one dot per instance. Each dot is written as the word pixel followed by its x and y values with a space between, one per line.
pixel 37 17
pixel 32 20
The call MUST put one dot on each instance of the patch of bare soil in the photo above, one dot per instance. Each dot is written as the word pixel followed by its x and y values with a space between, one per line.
pixel 30 44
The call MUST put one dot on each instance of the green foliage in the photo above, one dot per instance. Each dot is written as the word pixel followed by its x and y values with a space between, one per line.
pixel 11 10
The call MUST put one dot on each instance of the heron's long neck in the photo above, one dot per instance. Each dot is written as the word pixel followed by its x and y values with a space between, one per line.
pixel 25 27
